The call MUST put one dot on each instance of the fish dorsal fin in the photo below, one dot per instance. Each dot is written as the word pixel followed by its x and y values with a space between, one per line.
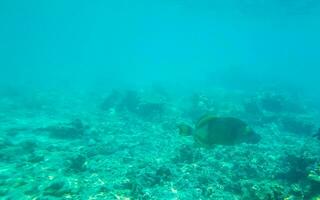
pixel 204 120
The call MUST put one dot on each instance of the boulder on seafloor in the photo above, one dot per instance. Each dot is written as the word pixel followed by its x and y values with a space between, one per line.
pixel 72 130
pixel 28 145
pixel 297 124
pixel 77 163
pixel 57 188
pixel 278 102
pixel 111 101
pixel 146 104
pixel 317 135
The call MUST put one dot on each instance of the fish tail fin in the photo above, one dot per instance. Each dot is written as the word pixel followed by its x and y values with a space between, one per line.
pixel 185 129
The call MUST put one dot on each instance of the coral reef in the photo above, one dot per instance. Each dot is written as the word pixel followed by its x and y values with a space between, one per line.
pixel 128 147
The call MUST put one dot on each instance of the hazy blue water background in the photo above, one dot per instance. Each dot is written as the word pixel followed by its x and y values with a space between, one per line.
pixel 233 43
pixel 79 120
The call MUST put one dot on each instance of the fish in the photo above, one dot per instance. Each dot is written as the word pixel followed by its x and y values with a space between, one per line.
pixel 209 131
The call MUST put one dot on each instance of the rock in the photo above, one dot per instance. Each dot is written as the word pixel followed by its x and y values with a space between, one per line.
pixel 164 173
pixel 73 130
pixel 77 163
pixel 111 101
pixel 28 146
pixel 57 188
pixel 297 124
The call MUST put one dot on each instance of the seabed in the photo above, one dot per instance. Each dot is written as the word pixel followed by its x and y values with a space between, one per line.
pixel 124 144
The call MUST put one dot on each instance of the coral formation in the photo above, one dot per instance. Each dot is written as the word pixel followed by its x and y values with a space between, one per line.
pixel 128 147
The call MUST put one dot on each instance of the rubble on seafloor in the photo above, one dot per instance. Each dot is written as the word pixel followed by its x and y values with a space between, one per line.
pixel 127 147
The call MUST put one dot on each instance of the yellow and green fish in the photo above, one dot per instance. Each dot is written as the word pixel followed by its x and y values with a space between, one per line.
pixel 210 131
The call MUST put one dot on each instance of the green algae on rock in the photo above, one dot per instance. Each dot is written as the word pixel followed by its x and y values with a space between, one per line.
pixel 210 131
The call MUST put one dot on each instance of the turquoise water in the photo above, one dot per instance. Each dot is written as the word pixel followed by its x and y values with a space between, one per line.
pixel 160 40
pixel 92 95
